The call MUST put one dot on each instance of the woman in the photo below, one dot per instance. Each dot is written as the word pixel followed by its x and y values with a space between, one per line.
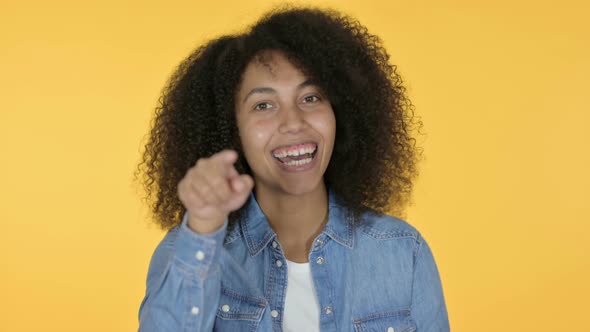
pixel 273 158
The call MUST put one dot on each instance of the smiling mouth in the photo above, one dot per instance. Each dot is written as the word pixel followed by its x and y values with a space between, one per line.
pixel 297 155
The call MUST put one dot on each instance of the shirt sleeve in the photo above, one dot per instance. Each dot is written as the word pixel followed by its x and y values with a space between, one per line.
pixel 428 303
pixel 183 281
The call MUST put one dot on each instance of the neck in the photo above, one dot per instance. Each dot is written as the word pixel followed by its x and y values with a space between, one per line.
pixel 296 219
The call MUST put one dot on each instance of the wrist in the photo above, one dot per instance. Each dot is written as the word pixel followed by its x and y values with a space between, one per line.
pixel 201 226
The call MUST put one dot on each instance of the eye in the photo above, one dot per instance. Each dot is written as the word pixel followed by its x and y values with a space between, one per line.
pixel 311 99
pixel 262 106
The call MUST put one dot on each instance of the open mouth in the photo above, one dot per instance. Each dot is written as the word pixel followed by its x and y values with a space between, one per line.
pixel 296 155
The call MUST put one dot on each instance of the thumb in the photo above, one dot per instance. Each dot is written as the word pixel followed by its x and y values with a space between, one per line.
pixel 242 188
pixel 242 183
pixel 248 181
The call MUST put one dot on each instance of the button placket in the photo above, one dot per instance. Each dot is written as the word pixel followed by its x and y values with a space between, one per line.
pixel 320 276
pixel 279 275
pixel 318 244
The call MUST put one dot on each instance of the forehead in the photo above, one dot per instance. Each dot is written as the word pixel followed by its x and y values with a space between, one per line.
pixel 270 65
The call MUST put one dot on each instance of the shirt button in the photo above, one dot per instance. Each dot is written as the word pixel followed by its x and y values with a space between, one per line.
pixel 274 244
pixel 195 310
pixel 274 314
pixel 320 260
pixel 200 255
pixel 390 329
pixel 279 263
pixel 319 242
pixel 225 308
pixel 328 310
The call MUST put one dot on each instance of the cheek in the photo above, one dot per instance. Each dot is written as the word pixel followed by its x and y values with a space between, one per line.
pixel 326 125
pixel 255 135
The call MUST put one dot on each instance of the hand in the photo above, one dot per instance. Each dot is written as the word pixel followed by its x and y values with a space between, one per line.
pixel 212 189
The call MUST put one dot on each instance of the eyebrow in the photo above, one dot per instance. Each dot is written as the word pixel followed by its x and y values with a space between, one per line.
pixel 265 89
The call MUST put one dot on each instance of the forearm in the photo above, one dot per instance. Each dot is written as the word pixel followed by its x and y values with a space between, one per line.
pixel 183 283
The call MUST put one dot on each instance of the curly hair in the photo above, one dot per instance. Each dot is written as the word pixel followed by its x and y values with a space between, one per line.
pixel 375 156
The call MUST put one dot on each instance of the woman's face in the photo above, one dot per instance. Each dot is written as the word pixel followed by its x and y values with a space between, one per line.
pixel 286 125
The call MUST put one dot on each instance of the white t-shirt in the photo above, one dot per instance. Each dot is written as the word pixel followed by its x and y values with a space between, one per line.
pixel 302 309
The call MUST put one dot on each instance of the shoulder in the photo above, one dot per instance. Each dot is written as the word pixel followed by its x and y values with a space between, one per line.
pixel 386 227
pixel 165 249
pixel 162 257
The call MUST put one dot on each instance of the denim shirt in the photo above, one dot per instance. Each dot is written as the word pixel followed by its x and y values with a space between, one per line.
pixel 373 274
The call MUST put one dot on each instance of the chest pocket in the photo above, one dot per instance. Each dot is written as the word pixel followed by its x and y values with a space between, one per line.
pixel 385 321
pixel 238 312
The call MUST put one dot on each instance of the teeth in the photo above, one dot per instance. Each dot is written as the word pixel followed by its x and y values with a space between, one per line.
pixel 295 153
pixel 299 162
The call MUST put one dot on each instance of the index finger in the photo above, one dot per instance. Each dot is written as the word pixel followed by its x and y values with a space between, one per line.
pixel 223 161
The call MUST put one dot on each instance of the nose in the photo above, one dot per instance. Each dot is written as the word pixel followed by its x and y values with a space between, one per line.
pixel 292 119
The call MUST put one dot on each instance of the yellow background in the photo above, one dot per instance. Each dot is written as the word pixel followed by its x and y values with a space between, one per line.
pixel 503 196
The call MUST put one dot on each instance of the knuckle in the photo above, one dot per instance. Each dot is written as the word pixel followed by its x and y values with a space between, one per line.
pixel 180 188
pixel 196 187
pixel 199 188
pixel 217 182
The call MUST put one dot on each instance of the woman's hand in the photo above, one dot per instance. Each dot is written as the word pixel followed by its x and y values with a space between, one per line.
pixel 212 189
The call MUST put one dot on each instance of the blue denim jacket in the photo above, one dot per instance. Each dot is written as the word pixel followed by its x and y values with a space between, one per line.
pixel 374 274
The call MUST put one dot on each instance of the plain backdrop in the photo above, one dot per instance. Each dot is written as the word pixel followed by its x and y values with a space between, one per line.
pixel 503 195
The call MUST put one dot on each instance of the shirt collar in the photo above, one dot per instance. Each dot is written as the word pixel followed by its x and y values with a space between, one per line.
pixel 258 233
